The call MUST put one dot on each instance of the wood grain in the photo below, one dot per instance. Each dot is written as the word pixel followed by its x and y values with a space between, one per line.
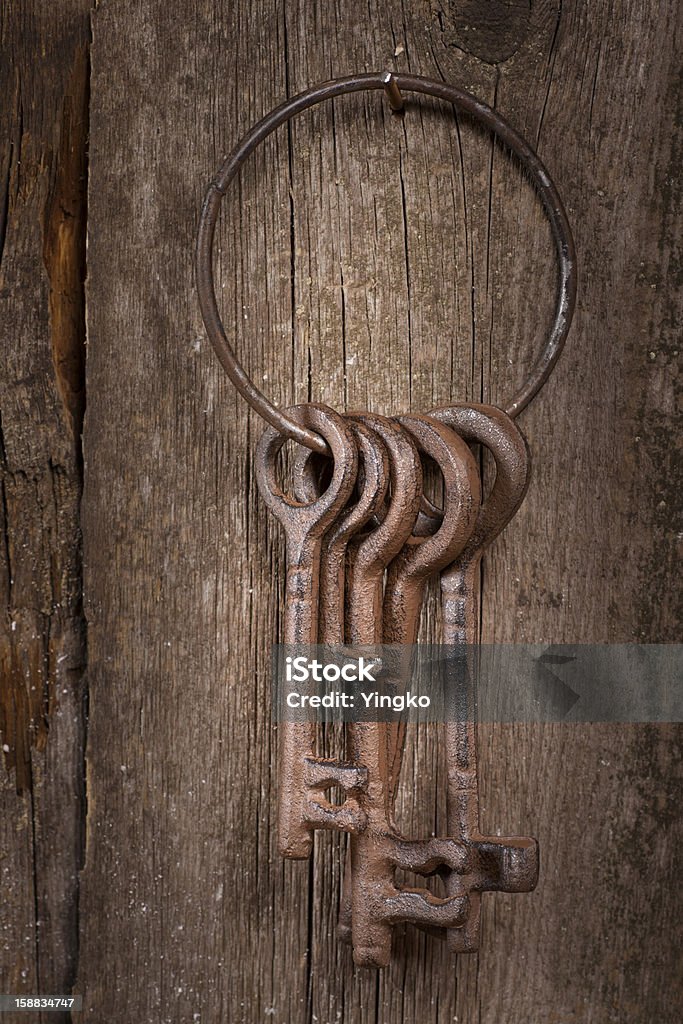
pixel 44 84
pixel 372 261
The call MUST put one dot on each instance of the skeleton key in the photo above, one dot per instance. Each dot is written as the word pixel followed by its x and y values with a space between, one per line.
pixel 493 862
pixel 304 777
pixel 368 559
pixel 375 472
pixel 377 902
pixel 420 559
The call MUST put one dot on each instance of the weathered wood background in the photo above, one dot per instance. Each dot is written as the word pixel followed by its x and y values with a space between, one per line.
pixel 365 260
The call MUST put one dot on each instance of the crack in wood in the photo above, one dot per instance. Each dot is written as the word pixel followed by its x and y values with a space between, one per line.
pixel 64 245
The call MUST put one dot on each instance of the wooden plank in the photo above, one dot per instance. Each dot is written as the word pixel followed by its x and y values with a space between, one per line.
pixel 368 260
pixel 43 81
pixel 590 527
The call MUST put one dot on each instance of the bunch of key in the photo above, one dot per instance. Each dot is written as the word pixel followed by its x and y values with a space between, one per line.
pixel 363 541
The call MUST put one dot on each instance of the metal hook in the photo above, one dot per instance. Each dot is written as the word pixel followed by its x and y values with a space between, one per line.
pixel 393 92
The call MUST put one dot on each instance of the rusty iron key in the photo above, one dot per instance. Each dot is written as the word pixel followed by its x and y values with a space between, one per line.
pixel 421 559
pixel 369 557
pixel 304 778
pixel 377 902
pixel 493 863
pixel 371 488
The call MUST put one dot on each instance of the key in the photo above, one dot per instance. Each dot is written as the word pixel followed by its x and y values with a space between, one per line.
pixel 493 862
pixel 304 778
pixel 374 469
pixel 422 559
pixel 377 903
pixel 368 560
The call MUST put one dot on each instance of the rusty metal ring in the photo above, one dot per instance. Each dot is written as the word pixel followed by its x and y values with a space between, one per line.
pixel 392 84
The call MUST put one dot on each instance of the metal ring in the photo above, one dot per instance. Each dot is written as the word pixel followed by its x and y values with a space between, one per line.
pixel 392 84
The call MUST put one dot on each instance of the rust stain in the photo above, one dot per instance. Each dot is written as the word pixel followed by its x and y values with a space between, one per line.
pixel 64 245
